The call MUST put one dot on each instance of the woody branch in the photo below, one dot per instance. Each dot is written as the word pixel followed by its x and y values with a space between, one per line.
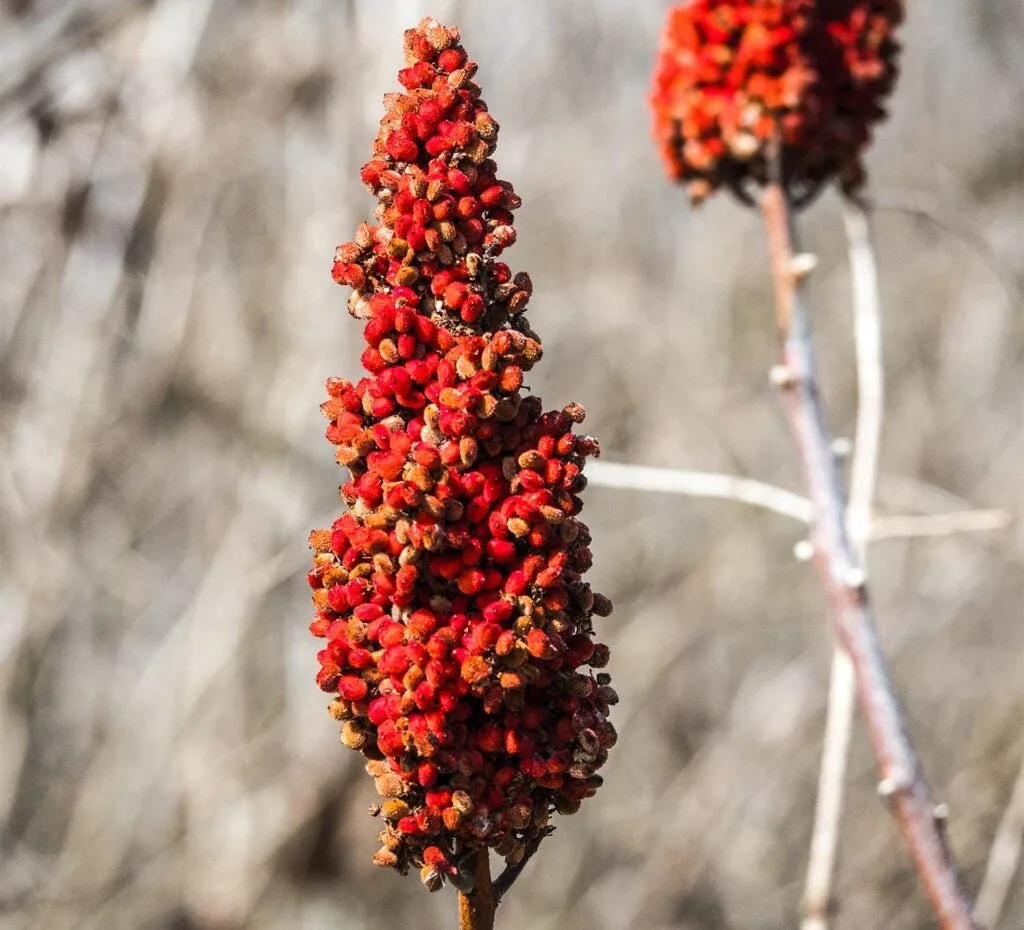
pixel 844 582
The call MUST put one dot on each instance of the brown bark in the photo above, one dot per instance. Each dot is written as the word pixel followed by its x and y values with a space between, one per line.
pixel 476 909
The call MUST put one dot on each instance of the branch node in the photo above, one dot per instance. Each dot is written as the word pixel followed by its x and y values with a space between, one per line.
pixel 802 264
pixel 842 446
pixel 783 377
pixel 855 578
pixel 893 785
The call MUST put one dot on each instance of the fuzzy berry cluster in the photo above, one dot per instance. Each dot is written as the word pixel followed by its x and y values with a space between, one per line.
pixel 459 640
pixel 739 83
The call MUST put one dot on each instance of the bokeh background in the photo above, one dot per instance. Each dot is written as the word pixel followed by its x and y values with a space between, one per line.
pixel 174 176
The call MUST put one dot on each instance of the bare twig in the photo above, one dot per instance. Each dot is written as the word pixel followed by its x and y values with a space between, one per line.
pixel 843 579
pixel 700 484
pixel 476 907
pixel 941 524
pixel 863 479
pixel 29 54
pixel 870 375
pixel 828 810
pixel 1003 859
pixel 778 500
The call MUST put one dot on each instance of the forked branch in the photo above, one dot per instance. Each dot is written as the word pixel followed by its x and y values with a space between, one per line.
pixel 843 579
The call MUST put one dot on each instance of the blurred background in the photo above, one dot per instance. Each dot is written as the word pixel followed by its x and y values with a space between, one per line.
pixel 174 176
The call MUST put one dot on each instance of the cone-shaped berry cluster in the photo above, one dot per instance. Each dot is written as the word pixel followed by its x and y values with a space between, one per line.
pixel 742 84
pixel 458 626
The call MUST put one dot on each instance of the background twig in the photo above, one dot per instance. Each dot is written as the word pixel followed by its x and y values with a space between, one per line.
pixel 700 484
pixel 863 478
pixel 1003 859
pixel 780 501
pixel 940 524
pixel 956 224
